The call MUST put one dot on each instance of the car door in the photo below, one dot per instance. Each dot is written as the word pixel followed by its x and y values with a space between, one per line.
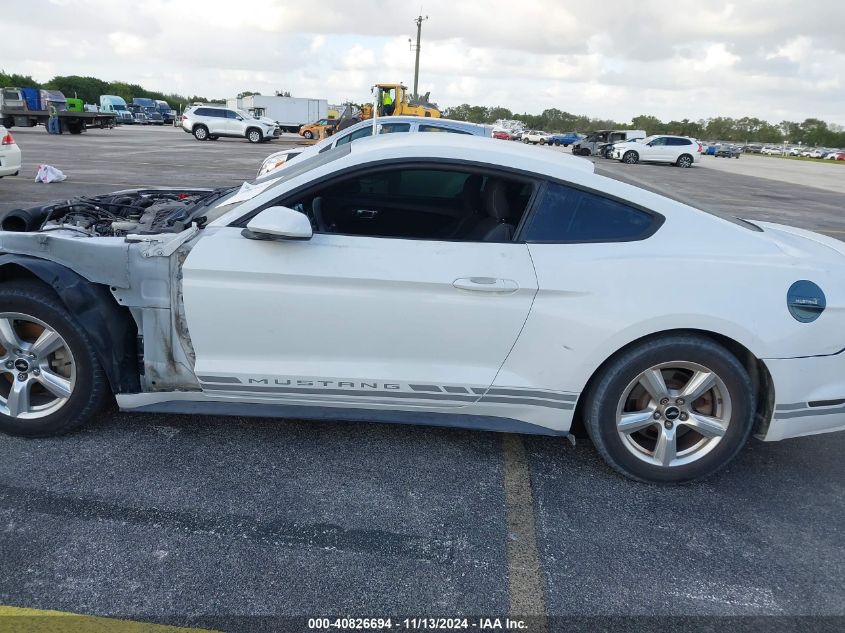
pixel 361 319
pixel 235 124
pixel 657 150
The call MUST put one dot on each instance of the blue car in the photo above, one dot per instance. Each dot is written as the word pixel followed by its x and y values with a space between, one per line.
pixel 564 139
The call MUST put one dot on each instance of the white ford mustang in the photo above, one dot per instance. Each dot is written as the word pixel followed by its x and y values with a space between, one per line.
pixel 441 280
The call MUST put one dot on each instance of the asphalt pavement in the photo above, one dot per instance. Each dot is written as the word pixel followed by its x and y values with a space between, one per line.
pixel 236 524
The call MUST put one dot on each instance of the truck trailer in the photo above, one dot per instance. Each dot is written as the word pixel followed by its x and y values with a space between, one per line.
pixel 27 107
pixel 290 113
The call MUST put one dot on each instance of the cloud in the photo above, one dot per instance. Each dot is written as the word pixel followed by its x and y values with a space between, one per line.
pixel 616 58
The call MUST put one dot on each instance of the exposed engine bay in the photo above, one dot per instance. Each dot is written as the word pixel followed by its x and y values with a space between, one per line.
pixel 137 212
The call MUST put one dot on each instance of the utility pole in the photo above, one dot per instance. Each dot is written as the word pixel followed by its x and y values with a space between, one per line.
pixel 420 19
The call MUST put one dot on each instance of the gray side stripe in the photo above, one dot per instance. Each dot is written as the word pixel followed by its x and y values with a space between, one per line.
pixel 550 395
pixel 456 389
pixel 226 379
pixel 808 412
pixel 791 407
pixel 425 388
pixel 391 394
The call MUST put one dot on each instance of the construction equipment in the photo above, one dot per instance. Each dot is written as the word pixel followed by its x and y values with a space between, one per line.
pixel 401 103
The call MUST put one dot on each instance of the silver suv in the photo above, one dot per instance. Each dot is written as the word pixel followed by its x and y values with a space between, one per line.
pixel 210 123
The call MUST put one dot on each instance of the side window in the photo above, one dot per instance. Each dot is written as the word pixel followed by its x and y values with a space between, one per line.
pixel 566 214
pixel 354 136
pixel 418 203
pixel 201 111
pixel 231 114
pixel 391 128
pixel 659 141
pixel 437 128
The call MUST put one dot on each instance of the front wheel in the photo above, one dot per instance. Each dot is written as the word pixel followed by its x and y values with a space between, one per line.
pixel 308 134
pixel 50 378
pixel 253 136
pixel 631 158
pixel 671 410
pixel 685 161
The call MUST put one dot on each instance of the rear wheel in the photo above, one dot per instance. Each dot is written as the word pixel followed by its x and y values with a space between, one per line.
pixel 50 378
pixel 201 133
pixel 631 157
pixel 684 160
pixel 671 410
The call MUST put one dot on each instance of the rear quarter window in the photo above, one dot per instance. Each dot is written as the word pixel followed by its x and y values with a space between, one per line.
pixel 567 214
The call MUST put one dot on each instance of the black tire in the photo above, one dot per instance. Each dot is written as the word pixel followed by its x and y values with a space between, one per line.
pixel 685 161
pixel 525 140
pixel 213 138
pixel 609 387
pixel 308 134
pixel 36 300
pixel 201 133
pixel 557 143
pixel 253 135
pixel 630 157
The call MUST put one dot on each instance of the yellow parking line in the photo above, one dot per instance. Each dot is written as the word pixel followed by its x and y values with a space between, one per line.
pixel 22 620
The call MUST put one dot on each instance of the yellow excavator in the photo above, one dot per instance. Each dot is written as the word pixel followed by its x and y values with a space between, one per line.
pixel 400 104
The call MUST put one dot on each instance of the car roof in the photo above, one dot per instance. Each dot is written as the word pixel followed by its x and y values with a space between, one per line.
pixel 463 147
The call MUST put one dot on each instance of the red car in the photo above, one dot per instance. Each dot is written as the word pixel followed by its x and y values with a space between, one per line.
pixel 502 134
pixel 839 156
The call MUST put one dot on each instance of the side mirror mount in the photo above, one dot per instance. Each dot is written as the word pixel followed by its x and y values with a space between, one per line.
pixel 279 223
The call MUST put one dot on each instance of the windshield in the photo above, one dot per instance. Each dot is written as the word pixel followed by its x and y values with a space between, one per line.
pixel 647 139
pixel 246 114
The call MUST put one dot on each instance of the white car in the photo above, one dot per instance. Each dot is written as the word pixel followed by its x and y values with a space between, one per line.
pixel 10 154
pixel 364 129
pixel 536 137
pixel 677 150
pixel 447 281
pixel 212 122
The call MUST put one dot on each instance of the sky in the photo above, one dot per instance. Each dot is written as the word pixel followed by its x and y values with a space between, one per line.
pixel 773 59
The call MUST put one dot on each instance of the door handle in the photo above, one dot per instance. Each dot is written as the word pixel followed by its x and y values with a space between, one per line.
pixel 486 284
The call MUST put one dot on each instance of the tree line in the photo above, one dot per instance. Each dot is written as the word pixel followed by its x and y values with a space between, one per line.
pixel 813 132
pixel 89 89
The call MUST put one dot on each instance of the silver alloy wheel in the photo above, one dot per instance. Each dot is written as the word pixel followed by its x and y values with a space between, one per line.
pixel 630 158
pixel 200 133
pixel 37 368
pixel 673 413
pixel 685 161
pixel 254 136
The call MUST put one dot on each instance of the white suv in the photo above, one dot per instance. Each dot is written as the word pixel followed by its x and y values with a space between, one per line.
pixel 535 137
pixel 678 150
pixel 210 123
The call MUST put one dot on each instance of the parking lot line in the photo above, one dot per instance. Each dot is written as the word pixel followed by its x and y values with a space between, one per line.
pixel 24 620
pixel 526 587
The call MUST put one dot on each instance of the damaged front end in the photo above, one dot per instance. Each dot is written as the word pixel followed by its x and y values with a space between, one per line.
pixel 141 211
pixel 129 245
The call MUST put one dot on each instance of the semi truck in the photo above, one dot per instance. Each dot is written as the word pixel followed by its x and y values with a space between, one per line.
pixel 28 107
pixel 116 106
pixel 290 113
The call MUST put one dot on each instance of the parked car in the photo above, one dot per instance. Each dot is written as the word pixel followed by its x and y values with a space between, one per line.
pixel 154 117
pixel 595 143
pixel 728 151
pixel 832 155
pixel 503 135
pixel 772 150
pixel 678 150
pixel 752 148
pixel 363 129
pixel 210 123
pixel 606 150
pixel 536 137
pixel 10 154
pixel 141 118
pixel 566 139
pixel 518 134
pixel 312 130
pixel 425 279
pixel 840 156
